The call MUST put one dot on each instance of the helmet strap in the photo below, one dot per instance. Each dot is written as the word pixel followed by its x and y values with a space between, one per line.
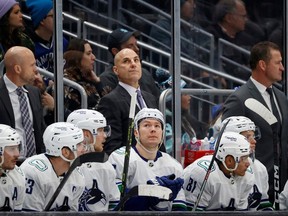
pixel 144 148
pixel 2 161
pixel 230 169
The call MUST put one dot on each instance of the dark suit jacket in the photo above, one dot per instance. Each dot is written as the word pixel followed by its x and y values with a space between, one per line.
pixel 234 105
pixel 115 106
pixel 7 115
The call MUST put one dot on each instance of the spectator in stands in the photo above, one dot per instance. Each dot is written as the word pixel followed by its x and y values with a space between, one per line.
pixel 190 126
pixel 79 67
pixel 41 12
pixel 115 106
pixel 161 36
pixel 12 27
pixel 230 20
pixel 117 40
pixel 46 99
pixel 20 102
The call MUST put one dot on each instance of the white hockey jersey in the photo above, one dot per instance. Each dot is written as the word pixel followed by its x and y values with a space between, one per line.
pixel 12 190
pixel 258 198
pixel 42 182
pixel 141 170
pixel 220 192
pixel 283 198
pixel 101 192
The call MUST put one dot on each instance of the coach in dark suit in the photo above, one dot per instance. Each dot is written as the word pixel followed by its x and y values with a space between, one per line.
pixel 115 106
pixel 267 68
pixel 20 72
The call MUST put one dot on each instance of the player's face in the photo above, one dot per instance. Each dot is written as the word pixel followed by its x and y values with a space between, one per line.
pixel 128 67
pixel 11 154
pixel 100 139
pixel 16 17
pixel 150 133
pixel 242 166
pixel 274 68
pixel 250 135
pixel 81 148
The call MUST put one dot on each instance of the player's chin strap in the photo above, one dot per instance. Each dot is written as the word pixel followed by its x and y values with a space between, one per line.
pixel 2 161
pixel 145 149
pixel 70 161
pixel 252 155
pixel 231 169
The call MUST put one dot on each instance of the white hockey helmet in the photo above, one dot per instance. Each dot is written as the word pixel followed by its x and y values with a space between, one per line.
pixel 89 120
pixel 234 144
pixel 148 113
pixel 8 137
pixel 238 124
pixel 62 134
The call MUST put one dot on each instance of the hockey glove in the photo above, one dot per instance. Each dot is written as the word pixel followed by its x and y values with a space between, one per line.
pixel 170 182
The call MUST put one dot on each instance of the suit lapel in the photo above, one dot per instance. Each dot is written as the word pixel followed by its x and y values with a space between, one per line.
pixel 4 96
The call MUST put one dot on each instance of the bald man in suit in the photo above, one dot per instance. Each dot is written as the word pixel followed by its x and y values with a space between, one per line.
pixel 267 69
pixel 21 71
pixel 115 106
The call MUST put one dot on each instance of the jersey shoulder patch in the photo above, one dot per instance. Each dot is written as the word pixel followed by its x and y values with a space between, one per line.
pixel 38 164
pixel 120 151
pixel 204 164
pixel 19 170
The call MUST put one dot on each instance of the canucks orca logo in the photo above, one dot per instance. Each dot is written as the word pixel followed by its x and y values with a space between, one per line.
pixel 91 197
pixel 6 206
pixel 254 198
pixel 63 207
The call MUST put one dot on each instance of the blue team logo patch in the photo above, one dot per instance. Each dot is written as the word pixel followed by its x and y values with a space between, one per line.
pixel 205 164
pixel 91 196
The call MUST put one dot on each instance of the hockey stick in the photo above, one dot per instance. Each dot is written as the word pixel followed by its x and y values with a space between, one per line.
pixel 85 158
pixel 268 116
pixel 145 190
pixel 210 166
pixel 128 144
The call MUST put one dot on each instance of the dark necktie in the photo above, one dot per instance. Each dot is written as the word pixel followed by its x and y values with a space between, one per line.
pixel 140 99
pixel 273 105
pixel 26 123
